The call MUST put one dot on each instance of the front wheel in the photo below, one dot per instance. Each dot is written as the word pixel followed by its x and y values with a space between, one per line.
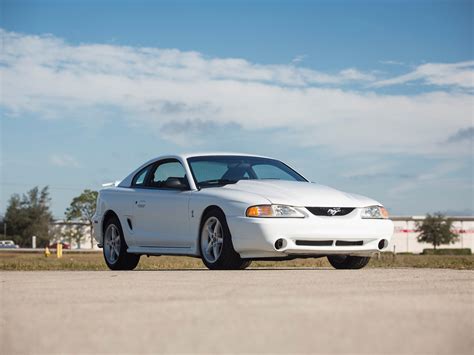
pixel 217 250
pixel 348 261
pixel 115 248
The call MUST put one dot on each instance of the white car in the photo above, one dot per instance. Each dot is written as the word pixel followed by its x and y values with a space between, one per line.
pixel 230 209
pixel 8 244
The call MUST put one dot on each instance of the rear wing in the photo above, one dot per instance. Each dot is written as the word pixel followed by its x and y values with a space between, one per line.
pixel 111 184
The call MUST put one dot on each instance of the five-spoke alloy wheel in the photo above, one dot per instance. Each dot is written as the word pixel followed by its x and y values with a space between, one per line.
pixel 217 251
pixel 115 248
pixel 112 244
pixel 212 239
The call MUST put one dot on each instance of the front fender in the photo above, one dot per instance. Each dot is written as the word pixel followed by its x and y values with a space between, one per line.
pixel 232 203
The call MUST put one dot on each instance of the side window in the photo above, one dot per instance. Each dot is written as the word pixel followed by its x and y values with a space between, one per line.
pixel 168 174
pixel 139 179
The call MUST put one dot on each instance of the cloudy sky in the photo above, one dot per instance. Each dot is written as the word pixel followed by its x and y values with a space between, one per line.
pixel 368 97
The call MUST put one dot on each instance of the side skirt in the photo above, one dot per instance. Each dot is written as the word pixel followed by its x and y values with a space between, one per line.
pixel 184 251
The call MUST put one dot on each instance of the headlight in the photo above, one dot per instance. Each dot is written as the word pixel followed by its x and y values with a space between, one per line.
pixel 374 212
pixel 278 211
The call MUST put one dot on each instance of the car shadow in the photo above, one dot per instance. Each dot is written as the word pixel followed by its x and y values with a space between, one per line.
pixel 246 270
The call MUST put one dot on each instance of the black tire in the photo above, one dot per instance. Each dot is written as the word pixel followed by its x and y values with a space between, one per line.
pixel 348 261
pixel 124 260
pixel 228 259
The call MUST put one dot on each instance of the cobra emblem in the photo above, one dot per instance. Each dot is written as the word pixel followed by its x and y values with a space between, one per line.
pixel 334 211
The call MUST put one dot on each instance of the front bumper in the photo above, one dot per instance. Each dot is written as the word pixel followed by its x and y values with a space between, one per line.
pixel 349 235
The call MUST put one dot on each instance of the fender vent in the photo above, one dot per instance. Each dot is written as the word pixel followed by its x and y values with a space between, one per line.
pixel 129 221
pixel 330 211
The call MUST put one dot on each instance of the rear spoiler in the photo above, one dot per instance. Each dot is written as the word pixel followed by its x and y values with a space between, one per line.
pixel 111 184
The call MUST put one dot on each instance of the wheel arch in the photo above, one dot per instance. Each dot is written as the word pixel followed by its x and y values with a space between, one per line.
pixel 107 215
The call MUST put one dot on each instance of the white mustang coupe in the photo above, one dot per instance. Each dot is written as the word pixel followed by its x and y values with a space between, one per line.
pixel 231 209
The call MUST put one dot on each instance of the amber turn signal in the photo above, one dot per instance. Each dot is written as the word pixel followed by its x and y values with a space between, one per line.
pixel 259 211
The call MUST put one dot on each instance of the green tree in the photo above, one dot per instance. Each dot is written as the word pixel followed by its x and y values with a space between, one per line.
pixel 436 229
pixel 82 209
pixel 29 215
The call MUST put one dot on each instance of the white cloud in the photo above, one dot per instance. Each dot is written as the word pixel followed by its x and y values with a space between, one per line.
pixel 438 175
pixel 63 160
pixel 298 58
pixel 356 75
pixel 391 62
pixel 50 78
pixel 441 74
pixel 370 169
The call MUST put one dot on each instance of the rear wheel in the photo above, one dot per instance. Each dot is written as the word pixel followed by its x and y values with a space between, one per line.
pixel 217 250
pixel 348 261
pixel 115 248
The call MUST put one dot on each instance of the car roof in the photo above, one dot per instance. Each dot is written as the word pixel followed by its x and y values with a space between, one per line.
pixel 203 154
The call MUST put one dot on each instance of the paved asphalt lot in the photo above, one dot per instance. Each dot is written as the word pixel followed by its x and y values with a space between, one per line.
pixel 266 310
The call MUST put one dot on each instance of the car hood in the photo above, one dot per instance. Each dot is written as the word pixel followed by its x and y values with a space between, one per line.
pixel 297 193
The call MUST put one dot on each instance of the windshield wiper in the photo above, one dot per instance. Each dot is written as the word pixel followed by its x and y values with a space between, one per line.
pixel 216 182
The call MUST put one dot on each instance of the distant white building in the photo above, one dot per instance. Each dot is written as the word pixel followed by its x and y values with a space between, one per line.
pixel 60 231
pixel 405 235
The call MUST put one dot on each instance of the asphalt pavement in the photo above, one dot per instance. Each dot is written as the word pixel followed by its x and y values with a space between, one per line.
pixel 396 311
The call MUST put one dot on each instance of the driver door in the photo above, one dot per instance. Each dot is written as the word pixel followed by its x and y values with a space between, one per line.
pixel 163 207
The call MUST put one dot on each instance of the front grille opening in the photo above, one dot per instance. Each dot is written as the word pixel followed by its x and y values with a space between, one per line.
pixel 347 243
pixel 315 243
pixel 330 211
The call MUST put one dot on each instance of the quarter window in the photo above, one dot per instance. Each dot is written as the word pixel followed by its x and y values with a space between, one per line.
pixel 139 179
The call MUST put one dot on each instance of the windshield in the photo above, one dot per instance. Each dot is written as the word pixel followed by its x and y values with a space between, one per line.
pixel 220 170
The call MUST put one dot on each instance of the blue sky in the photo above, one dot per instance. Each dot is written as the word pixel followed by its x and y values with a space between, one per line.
pixel 366 96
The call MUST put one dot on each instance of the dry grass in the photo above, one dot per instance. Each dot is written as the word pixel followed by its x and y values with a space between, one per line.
pixel 94 261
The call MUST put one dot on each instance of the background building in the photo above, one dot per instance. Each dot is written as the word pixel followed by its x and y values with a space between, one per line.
pixel 77 234
pixel 405 236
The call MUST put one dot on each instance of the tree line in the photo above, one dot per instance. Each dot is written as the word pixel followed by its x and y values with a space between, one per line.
pixel 30 215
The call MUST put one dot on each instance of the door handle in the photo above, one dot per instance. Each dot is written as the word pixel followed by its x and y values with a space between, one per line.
pixel 141 203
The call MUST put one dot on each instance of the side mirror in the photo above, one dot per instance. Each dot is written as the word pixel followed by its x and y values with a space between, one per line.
pixel 175 183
